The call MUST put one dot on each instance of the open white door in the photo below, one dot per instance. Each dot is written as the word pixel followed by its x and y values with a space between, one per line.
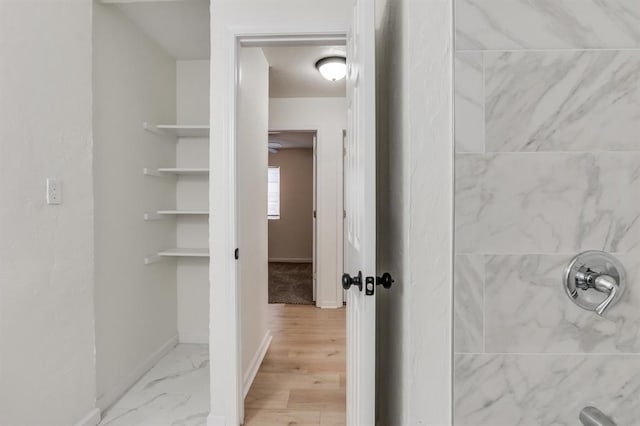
pixel 360 206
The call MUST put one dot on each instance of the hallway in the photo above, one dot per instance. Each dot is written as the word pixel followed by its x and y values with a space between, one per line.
pixel 302 378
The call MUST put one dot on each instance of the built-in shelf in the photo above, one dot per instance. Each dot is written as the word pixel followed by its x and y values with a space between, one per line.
pixel 185 130
pixel 183 171
pixel 173 171
pixel 179 212
pixel 174 132
pixel 161 214
pixel 185 252
pixel 177 252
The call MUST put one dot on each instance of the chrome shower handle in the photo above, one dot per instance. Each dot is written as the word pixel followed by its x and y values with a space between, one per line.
pixel 592 274
pixel 605 283
pixel 586 279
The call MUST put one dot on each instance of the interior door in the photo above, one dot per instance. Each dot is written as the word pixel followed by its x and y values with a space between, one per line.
pixel 360 198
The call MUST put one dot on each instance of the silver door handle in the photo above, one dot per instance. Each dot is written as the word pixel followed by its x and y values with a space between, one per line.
pixel 591 416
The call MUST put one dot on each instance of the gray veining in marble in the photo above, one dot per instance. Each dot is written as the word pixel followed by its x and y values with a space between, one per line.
pixel 527 310
pixel 547 202
pixel 544 390
pixel 468 287
pixel 562 101
pixel 547 24
pixel 175 392
pixel 469 102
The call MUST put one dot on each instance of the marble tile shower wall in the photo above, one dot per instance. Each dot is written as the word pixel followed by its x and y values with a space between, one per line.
pixel 547 115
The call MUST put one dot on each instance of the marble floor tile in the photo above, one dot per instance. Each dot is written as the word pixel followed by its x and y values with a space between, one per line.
pixel 547 24
pixel 544 390
pixel 175 392
pixel 561 101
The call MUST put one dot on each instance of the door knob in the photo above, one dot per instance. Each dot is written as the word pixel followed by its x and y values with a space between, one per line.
pixel 348 281
pixel 385 280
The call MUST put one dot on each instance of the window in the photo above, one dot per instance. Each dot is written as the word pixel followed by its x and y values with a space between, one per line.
pixel 273 190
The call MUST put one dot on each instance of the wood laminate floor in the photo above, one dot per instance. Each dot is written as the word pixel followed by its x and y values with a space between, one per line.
pixel 302 378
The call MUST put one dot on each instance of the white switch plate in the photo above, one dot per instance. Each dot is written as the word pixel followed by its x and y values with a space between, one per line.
pixel 54 191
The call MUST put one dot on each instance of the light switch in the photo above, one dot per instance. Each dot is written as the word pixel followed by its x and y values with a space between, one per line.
pixel 54 191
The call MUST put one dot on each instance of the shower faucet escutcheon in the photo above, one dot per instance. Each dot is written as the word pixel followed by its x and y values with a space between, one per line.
pixel 595 281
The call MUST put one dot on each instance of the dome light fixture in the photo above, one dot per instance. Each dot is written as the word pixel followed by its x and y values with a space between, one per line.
pixel 332 68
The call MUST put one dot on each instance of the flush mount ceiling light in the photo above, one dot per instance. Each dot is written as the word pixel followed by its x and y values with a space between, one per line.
pixel 333 68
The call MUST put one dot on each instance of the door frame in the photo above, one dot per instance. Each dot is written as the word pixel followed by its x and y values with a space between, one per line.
pixel 226 384
pixel 315 130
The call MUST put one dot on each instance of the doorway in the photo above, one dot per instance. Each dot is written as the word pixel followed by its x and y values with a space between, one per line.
pixel 291 202
pixel 234 29
pixel 293 348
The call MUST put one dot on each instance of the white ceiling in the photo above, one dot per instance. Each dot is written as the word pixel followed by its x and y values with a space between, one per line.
pixel 180 27
pixel 290 140
pixel 292 72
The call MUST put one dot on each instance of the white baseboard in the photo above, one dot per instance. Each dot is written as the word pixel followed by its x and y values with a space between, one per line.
pixel 290 260
pixel 256 361
pixel 331 305
pixel 201 338
pixel 113 395
pixel 91 419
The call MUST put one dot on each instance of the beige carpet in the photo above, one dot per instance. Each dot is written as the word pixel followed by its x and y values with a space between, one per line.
pixel 291 283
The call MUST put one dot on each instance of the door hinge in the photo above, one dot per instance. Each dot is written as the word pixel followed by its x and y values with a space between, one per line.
pixel 314 214
pixel 344 214
pixel 236 254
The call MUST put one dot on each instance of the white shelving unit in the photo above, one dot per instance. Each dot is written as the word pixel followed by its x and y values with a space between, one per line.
pixel 163 214
pixel 176 252
pixel 183 212
pixel 185 252
pixel 184 171
pixel 174 171
pixel 177 131
pixel 181 130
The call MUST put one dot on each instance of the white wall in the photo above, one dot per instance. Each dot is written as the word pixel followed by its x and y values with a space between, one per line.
pixel 252 160
pixel 47 361
pixel 329 117
pixel 193 194
pixel 415 211
pixel 291 235
pixel 134 81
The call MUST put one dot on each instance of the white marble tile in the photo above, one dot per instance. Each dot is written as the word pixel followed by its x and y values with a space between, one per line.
pixel 468 303
pixel 544 390
pixel 562 101
pixel 184 369
pixel 175 392
pixel 469 102
pixel 527 310
pixel 545 24
pixel 547 202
